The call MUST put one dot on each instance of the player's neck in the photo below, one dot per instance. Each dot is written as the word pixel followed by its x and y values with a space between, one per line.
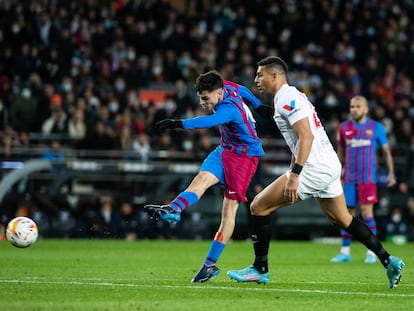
pixel 361 120
pixel 278 86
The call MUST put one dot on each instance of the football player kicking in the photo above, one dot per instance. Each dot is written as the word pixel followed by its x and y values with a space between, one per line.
pixel 233 163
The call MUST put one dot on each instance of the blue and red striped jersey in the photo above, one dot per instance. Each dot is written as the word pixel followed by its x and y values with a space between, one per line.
pixel 360 143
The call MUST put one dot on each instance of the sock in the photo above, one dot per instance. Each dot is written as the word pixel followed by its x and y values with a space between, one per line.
pixel 184 200
pixel 261 236
pixel 346 242
pixel 372 225
pixel 216 248
pixel 361 232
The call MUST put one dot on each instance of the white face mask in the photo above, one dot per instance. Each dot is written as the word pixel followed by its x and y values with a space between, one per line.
pixel 131 55
pixel 15 29
pixel 120 86
pixel 187 145
pixel 26 93
pixel 156 70
pixel 67 86
pixel 396 217
pixel 113 106
pixel 74 71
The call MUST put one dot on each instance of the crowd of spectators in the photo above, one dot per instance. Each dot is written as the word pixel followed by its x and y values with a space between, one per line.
pixel 77 68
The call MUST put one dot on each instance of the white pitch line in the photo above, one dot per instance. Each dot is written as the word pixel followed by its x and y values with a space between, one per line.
pixel 317 291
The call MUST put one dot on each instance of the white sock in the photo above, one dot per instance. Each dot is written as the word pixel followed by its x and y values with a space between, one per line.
pixel 369 252
pixel 346 250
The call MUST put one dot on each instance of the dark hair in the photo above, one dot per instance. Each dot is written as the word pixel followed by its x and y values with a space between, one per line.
pixel 274 61
pixel 209 81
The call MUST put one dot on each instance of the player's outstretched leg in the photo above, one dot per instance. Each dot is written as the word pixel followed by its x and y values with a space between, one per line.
pixel 394 270
pixel 249 274
pixel 164 212
pixel 205 274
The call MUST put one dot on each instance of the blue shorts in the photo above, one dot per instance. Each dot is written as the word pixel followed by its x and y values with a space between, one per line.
pixel 233 170
pixel 214 165
pixel 360 194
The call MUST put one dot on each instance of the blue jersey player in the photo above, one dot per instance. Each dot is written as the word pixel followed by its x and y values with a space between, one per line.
pixel 233 163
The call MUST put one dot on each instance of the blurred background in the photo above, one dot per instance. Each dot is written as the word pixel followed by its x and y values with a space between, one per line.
pixel 83 82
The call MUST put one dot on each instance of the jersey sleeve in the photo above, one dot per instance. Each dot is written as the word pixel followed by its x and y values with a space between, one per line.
pixel 224 114
pixel 340 141
pixel 293 106
pixel 248 96
pixel 381 134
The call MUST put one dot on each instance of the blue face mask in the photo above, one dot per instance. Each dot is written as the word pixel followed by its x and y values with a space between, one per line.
pixel 120 86
pixel 113 106
pixel 67 87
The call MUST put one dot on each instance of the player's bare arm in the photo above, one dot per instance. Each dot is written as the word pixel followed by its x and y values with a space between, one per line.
pixel 302 129
pixel 390 165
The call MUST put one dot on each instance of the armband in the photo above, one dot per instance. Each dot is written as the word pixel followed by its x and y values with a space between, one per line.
pixel 297 168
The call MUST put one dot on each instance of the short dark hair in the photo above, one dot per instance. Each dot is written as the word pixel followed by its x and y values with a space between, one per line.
pixel 274 61
pixel 209 81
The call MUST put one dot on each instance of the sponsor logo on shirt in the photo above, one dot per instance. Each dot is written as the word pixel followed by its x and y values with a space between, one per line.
pixel 354 143
pixel 290 107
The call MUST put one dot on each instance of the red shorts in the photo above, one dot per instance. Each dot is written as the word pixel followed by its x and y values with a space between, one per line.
pixel 238 173
pixel 360 194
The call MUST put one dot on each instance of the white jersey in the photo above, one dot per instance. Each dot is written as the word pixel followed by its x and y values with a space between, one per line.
pixel 292 105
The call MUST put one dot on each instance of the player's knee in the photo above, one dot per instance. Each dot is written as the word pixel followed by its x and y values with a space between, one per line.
pixel 342 222
pixel 255 207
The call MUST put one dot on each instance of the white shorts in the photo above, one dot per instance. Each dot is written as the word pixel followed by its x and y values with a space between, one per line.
pixel 322 180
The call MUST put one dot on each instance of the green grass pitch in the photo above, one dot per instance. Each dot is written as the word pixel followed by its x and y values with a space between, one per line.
pixel 155 275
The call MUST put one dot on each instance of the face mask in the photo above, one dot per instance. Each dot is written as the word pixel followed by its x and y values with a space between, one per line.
pixel 26 93
pixel 330 101
pixel 396 217
pixel 74 71
pixel 187 145
pixel 251 33
pixel 120 86
pixel 156 70
pixel 131 55
pixel 169 105
pixel 67 87
pixel 113 106
pixel 15 29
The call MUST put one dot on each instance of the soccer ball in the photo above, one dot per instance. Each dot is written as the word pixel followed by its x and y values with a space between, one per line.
pixel 22 232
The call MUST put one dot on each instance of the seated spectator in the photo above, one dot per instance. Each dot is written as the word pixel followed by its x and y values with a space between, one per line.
pixel 99 139
pixel 4 115
pixel 142 146
pixel 77 125
pixel 54 152
pixel 23 110
pixel 55 155
pixel 104 223
pixel 24 145
pixel 57 122
pixel 129 222
pixel 7 147
pixel 124 138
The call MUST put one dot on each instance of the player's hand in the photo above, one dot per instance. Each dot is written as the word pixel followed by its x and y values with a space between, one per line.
pixel 291 188
pixel 391 180
pixel 169 124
